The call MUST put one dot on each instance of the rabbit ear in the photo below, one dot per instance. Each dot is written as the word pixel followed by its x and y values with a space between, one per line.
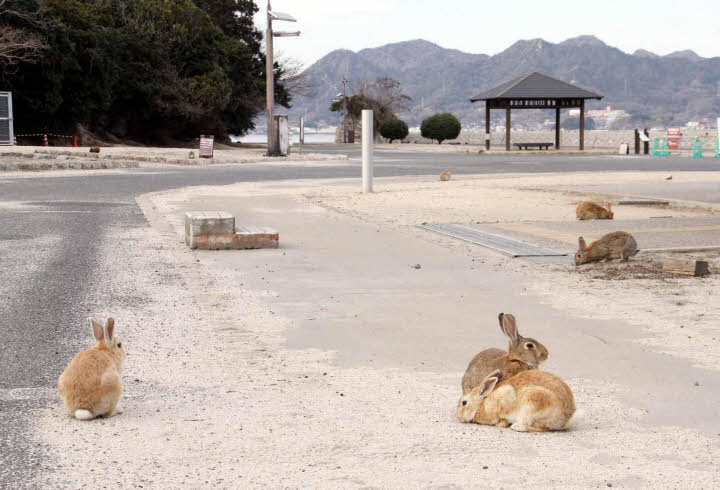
pixel 97 329
pixel 509 327
pixel 609 206
pixel 108 330
pixel 487 385
pixel 581 241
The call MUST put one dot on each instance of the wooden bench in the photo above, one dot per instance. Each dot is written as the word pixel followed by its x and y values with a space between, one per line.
pixel 539 146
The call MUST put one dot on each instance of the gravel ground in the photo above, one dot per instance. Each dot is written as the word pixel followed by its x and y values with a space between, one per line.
pixel 214 398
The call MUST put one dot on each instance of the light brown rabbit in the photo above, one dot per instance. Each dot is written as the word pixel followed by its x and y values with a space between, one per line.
pixel 523 353
pixel 533 400
pixel 91 384
pixel 590 210
pixel 615 245
pixel 445 176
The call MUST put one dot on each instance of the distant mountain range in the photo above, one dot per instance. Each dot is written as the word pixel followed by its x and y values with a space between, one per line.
pixel 669 89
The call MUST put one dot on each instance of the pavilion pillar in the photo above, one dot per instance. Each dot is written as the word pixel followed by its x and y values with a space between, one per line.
pixel 507 128
pixel 582 125
pixel 487 125
pixel 557 128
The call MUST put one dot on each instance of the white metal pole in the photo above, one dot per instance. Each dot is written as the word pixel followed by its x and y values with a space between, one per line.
pixel 270 86
pixel 367 150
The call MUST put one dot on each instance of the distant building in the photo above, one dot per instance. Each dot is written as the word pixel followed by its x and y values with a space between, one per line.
pixel 603 117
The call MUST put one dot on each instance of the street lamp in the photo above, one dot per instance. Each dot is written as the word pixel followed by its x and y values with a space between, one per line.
pixel 272 142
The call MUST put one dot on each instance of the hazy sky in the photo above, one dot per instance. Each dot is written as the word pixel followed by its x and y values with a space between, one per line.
pixel 490 26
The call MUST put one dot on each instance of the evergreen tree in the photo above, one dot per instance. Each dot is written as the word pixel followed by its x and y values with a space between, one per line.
pixel 147 70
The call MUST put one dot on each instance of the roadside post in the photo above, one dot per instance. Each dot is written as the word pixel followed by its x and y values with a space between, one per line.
pixel 302 133
pixel 367 151
pixel 282 136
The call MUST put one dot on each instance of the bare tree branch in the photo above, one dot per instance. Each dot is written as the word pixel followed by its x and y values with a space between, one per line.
pixel 19 46
pixel 32 18
pixel 295 79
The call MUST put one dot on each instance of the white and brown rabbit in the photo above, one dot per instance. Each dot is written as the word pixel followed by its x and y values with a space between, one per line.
pixel 615 245
pixel 535 401
pixel 523 353
pixel 91 384
pixel 445 176
pixel 590 210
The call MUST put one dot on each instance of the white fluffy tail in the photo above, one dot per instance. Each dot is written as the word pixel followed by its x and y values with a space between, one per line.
pixel 575 419
pixel 83 414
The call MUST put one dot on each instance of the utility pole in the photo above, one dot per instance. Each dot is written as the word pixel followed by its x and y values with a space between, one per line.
pixel 270 84
pixel 345 82
pixel 272 142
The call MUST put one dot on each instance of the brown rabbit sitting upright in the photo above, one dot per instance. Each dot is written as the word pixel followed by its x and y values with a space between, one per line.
pixel 615 245
pixel 523 353
pixel 590 210
pixel 91 384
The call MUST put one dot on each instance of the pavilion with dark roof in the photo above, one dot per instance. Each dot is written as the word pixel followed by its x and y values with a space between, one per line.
pixel 535 91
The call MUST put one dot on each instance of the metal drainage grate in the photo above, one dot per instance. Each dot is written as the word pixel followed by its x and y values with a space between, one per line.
pixel 508 246
pixel 644 202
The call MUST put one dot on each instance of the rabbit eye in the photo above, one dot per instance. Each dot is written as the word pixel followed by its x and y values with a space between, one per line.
pixel 464 402
pixel 529 345
pixel 119 345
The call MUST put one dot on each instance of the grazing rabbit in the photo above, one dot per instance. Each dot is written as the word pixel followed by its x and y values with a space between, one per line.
pixel 445 176
pixel 590 210
pixel 91 384
pixel 522 354
pixel 94 149
pixel 535 401
pixel 615 245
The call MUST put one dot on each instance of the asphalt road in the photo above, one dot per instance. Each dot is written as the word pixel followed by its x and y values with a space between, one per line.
pixel 49 255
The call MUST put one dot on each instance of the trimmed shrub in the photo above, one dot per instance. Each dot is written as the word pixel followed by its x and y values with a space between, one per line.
pixel 440 127
pixel 394 129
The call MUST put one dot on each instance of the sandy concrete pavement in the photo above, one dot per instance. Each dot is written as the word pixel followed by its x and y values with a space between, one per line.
pixel 334 362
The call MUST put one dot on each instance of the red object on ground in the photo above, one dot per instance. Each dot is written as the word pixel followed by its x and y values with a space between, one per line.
pixel 75 141
pixel 45 141
pixel 673 138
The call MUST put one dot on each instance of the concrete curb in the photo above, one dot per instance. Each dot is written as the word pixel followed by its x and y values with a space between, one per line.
pixel 65 164
pixel 65 159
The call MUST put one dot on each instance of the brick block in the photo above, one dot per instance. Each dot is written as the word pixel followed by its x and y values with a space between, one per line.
pixel 256 237
pixel 215 230
pixel 200 225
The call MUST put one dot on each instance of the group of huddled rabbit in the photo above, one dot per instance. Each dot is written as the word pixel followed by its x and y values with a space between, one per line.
pixel 615 245
pixel 505 389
